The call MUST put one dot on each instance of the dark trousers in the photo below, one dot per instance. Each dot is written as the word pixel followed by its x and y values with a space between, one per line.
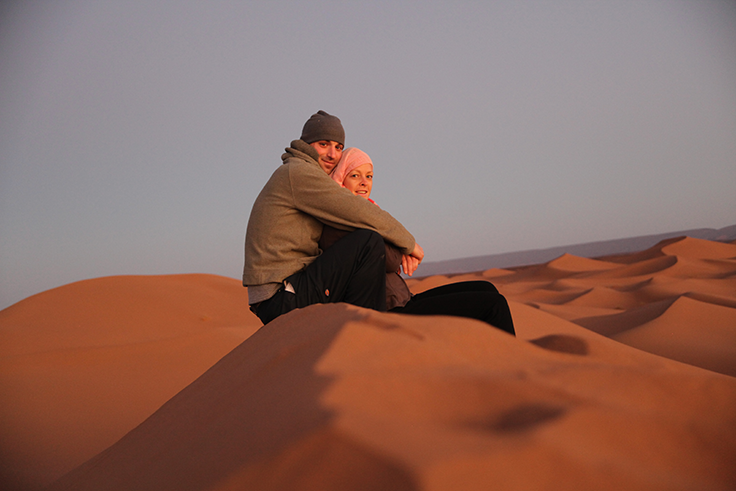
pixel 473 299
pixel 353 270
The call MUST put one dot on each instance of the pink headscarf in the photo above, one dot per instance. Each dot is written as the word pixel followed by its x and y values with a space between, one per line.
pixel 351 159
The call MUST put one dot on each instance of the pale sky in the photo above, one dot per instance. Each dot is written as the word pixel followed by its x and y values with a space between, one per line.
pixel 135 135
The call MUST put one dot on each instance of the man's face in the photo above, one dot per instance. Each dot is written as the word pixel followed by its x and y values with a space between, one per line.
pixel 329 154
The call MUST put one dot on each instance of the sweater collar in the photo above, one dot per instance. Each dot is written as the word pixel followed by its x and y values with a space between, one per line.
pixel 301 150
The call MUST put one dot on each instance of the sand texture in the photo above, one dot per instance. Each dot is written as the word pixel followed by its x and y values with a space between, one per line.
pixel 622 376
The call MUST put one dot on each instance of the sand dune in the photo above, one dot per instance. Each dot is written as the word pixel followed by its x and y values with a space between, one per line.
pixel 696 332
pixel 82 364
pixel 568 262
pixel 605 297
pixel 674 299
pixel 622 376
pixel 698 249
pixel 411 404
pixel 640 269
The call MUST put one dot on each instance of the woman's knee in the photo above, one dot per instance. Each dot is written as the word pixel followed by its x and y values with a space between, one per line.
pixel 485 286
pixel 474 286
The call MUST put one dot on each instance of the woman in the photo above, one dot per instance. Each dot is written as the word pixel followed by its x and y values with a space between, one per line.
pixel 473 299
pixel 355 172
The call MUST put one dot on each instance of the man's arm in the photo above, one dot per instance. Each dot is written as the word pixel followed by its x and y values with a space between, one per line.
pixel 316 194
pixel 411 262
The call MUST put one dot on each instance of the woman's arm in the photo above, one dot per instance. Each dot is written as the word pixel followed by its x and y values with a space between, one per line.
pixel 393 258
pixel 330 235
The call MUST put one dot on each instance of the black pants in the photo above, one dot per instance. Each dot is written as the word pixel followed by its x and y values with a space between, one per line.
pixel 353 270
pixel 473 299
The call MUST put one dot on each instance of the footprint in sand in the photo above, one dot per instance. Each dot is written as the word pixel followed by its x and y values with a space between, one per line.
pixel 518 419
pixel 562 343
pixel 526 416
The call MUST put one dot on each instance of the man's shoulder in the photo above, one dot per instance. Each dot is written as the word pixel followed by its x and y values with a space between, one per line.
pixel 300 150
pixel 294 160
pixel 297 166
pixel 296 173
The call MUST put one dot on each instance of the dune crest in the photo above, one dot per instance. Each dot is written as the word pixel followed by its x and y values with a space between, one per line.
pixel 568 262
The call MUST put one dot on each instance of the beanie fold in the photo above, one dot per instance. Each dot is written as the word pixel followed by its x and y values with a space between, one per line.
pixel 323 126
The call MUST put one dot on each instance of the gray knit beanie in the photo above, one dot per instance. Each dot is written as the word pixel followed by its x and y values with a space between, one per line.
pixel 323 126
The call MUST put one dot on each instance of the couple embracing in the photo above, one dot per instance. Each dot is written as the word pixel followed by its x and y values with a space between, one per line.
pixel 315 236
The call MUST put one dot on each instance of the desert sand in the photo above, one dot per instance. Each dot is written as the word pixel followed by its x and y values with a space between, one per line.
pixel 622 376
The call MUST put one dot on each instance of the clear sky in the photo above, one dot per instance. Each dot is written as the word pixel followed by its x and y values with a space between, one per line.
pixel 135 135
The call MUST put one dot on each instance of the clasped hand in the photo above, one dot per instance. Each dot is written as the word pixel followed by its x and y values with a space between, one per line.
pixel 410 262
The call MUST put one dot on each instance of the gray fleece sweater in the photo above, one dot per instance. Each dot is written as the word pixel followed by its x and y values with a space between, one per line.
pixel 288 215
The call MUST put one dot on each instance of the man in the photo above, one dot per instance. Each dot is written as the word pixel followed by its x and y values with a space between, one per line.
pixel 284 267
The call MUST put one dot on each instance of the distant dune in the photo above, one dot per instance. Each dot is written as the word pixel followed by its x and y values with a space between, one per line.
pixel 622 376
pixel 588 249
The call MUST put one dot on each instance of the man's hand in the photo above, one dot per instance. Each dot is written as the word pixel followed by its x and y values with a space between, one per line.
pixel 411 262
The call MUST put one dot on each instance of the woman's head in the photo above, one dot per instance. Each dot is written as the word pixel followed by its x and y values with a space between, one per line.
pixel 355 172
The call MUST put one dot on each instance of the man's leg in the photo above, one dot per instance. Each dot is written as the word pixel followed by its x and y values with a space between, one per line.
pixel 353 270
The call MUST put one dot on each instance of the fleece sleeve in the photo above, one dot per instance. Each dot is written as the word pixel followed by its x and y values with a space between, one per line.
pixel 314 193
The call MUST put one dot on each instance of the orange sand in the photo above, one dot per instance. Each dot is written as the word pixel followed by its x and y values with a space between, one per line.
pixel 622 376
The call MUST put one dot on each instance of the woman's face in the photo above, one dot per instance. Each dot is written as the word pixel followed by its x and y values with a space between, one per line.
pixel 360 180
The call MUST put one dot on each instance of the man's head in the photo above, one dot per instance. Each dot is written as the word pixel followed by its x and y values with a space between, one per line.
pixel 325 133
